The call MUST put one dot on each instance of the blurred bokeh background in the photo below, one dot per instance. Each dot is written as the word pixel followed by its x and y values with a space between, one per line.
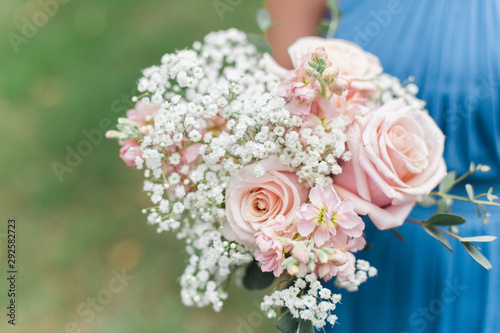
pixel 67 68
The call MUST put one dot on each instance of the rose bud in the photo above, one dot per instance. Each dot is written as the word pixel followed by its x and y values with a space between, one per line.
pixel 339 85
pixel 300 253
pixel 319 53
pixel 338 258
pixel 330 73
pixel 293 269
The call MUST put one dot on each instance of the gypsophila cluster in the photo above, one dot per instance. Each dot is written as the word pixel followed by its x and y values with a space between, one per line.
pixel 305 299
pixel 390 88
pixel 363 272
pixel 215 104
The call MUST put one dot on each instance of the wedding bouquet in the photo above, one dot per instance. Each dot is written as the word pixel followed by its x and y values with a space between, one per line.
pixel 265 172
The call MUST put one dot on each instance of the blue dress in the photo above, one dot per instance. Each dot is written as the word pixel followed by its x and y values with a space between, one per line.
pixel 452 48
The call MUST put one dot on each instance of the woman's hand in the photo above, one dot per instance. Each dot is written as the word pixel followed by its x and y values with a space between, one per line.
pixel 291 20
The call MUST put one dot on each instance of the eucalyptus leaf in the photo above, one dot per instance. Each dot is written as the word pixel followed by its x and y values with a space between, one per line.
pixel 427 201
pixel 470 191
pixel 437 234
pixel 481 239
pixel 260 43
pixel 323 28
pixel 477 255
pixel 454 229
pixel 263 19
pixel 445 219
pixel 486 218
pixel 447 182
pixel 442 207
pixel 398 235
pixel 255 278
pixel 288 324
pixel 306 326
pixel 335 13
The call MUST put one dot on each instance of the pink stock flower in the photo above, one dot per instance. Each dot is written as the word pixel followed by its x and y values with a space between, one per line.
pixel 129 151
pixel 271 251
pixel 343 263
pixel 302 96
pixel 140 113
pixel 328 218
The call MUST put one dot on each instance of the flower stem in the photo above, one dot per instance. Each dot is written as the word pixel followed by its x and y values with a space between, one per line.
pixel 442 230
pixel 456 197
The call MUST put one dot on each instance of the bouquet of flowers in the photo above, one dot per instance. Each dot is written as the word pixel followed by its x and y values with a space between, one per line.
pixel 265 172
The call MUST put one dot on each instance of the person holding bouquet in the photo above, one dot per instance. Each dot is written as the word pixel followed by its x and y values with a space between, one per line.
pixel 451 51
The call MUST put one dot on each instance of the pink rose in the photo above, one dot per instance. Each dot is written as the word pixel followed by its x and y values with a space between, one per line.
pixel 253 203
pixel 129 151
pixel 397 156
pixel 141 111
pixel 354 64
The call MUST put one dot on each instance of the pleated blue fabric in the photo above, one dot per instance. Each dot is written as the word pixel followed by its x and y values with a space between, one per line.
pixel 452 49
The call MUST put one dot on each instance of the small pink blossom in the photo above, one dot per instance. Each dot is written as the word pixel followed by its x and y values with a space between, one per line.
pixel 328 218
pixel 342 263
pixel 140 113
pixel 339 85
pixel 302 96
pixel 271 251
pixel 301 254
pixel 129 151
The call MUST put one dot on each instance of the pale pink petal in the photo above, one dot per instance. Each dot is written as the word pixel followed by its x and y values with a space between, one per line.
pixel 305 228
pixel 321 235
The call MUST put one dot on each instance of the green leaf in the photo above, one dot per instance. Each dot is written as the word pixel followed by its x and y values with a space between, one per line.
pixel 398 235
pixel 447 182
pixel 263 19
pixel 445 219
pixel 288 324
pixel 323 28
pixel 482 239
pixel 442 207
pixel 306 326
pixel 470 191
pixel 255 278
pixel 436 233
pixel 477 255
pixel 333 6
pixel 260 43
pixel 427 201
pixel 486 218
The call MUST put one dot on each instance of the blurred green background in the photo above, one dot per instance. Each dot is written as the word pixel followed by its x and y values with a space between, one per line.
pixel 78 68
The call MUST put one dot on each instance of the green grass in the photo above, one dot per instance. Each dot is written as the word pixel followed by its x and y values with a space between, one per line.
pixel 73 233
